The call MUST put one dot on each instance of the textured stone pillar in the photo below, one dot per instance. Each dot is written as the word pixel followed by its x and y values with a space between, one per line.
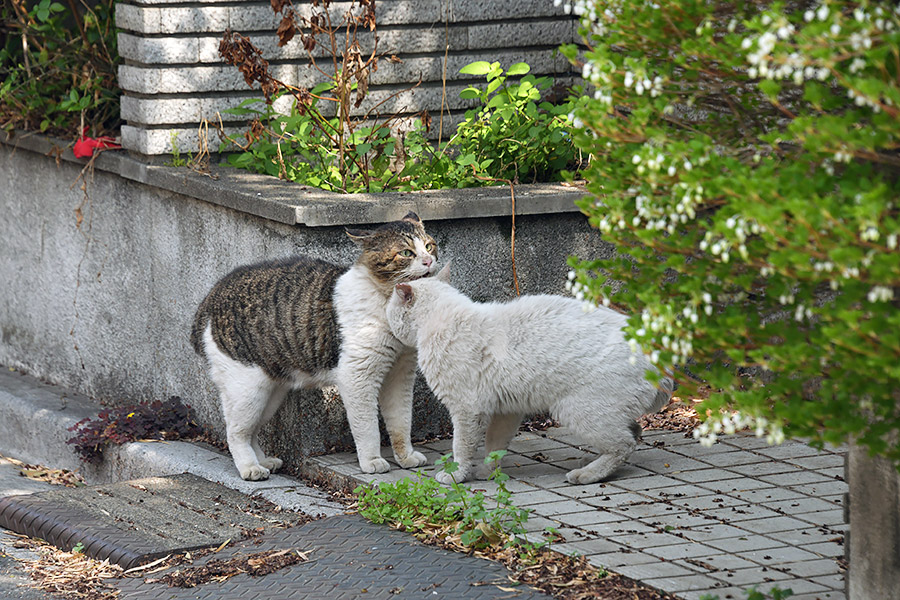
pixel 874 511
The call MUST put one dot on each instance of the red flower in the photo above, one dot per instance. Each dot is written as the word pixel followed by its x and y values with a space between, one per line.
pixel 85 146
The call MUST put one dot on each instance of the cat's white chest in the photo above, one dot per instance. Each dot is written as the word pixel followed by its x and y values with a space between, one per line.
pixel 359 306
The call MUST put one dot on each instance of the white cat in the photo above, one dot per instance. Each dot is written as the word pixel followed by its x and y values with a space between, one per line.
pixel 268 328
pixel 491 364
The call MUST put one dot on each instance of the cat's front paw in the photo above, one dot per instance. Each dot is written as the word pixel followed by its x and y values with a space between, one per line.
pixel 583 476
pixel 485 471
pixel 374 465
pixel 254 473
pixel 413 459
pixel 271 463
pixel 449 478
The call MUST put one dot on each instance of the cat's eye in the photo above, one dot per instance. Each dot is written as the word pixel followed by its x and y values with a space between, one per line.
pixel 430 247
pixel 407 253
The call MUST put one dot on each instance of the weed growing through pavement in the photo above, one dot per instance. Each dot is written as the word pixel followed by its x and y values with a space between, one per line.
pixel 775 593
pixel 428 509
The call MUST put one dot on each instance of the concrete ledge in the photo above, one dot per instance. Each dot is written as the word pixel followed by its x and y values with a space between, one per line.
pixel 34 428
pixel 292 204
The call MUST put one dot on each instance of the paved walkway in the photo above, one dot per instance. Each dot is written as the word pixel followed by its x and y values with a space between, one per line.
pixel 680 517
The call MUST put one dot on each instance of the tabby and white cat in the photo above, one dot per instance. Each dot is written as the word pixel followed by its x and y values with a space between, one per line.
pixel 301 322
pixel 491 364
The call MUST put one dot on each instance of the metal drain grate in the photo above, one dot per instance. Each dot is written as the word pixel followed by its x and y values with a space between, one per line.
pixel 65 526
pixel 134 522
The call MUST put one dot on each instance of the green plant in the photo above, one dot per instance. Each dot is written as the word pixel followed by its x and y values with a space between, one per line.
pixel 58 67
pixel 744 163
pixel 417 505
pixel 297 147
pixel 78 548
pixel 177 160
pixel 512 134
pixel 775 593
pixel 156 420
pixel 352 149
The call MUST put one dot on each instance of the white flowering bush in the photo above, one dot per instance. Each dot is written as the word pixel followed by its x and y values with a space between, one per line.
pixel 744 160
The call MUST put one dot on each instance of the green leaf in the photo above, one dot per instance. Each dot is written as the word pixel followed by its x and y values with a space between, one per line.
pixel 479 67
pixel 497 101
pixel 470 93
pixel 520 68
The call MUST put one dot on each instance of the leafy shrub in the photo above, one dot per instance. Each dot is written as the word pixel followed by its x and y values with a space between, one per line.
pixel 58 67
pixel 513 134
pixel 296 147
pixel 155 420
pixel 744 162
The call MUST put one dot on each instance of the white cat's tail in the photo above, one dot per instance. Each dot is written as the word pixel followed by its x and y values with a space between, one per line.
pixel 663 393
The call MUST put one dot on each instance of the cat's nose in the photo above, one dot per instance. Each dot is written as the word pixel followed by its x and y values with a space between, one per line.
pixel 427 261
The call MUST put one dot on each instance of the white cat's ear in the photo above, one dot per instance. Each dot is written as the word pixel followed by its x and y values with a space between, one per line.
pixel 411 217
pixel 359 236
pixel 444 273
pixel 405 293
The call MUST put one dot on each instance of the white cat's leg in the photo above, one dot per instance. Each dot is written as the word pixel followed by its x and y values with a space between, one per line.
pixel 275 399
pixel 468 431
pixel 499 433
pixel 244 391
pixel 614 442
pixel 395 400
pixel 359 383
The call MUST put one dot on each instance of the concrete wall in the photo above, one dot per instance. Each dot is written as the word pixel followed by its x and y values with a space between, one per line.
pixel 173 77
pixel 874 517
pixel 99 288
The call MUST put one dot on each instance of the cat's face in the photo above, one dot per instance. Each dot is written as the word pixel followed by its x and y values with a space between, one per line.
pixel 401 311
pixel 398 251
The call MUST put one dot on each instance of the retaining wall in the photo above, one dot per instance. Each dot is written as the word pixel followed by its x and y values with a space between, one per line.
pixel 100 286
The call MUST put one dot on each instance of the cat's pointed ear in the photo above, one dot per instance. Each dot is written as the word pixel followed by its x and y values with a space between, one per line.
pixel 411 217
pixel 405 293
pixel 359 236
pixel 444 273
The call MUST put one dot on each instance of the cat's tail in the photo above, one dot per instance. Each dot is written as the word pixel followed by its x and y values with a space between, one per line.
pixel 663 393
pixel 201 321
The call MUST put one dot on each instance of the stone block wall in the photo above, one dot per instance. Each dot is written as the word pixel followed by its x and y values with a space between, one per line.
pixel 172 76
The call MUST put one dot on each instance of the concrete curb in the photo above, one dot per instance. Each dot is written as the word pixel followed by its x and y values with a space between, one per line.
pixel 34 429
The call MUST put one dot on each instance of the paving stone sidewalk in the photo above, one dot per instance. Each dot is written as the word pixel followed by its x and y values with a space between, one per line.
pixel 348 558
pixel 679 517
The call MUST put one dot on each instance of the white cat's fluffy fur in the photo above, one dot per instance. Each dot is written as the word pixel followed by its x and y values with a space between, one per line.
pixel 491 364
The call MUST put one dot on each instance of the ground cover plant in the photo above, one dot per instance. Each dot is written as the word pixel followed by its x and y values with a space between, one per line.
pixel 462 519
pixel 745 164
pixel 155 420
pixel 58 67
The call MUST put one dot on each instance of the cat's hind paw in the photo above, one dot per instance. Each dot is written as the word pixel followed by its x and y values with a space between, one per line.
pixel 374 465
pixel 413 459
pixel 254 473
pixel 271 463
